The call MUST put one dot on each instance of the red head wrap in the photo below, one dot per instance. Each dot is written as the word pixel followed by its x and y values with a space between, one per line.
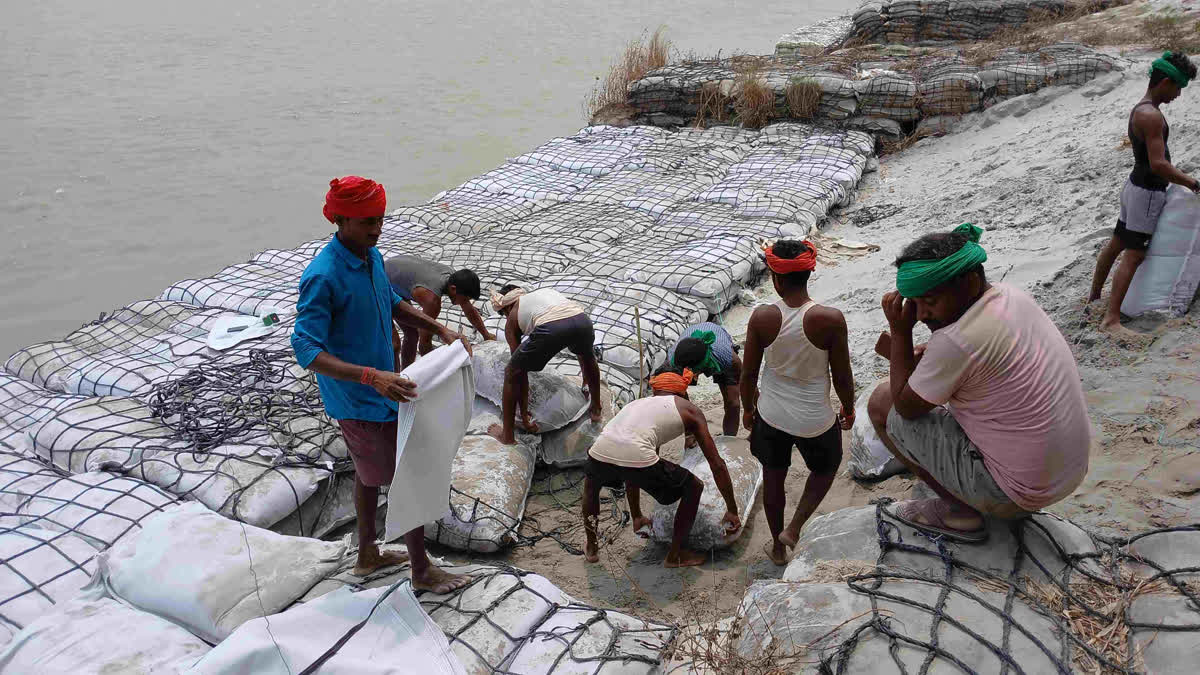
pixel 354 197
pixel 672 382
pixel 805 262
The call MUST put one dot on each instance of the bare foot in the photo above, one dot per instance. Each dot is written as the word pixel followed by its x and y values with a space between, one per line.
pixel 439 581
pixel 639 523
pixel 591 553
pixel 686 558
pixel 776 552
pixel 789 538
pixel 527 424
pixel 497 432
pixel 1123 334
pixel 371 559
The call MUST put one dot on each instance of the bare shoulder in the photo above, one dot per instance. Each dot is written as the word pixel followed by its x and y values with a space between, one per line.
pixel 688 410
pixel 1148 116
pixel 765 317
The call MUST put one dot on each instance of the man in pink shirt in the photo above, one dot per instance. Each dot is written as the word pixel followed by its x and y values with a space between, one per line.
pixel 990 412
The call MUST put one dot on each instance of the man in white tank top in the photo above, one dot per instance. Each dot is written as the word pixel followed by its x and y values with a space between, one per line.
pixel 797 344
pixel 626 453
pixel 549 322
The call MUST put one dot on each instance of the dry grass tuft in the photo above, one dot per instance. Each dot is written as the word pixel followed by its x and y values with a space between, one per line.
pixel 904 143
pixel 641 56
pixel 753 100
pixel 712 104
pixel 803 97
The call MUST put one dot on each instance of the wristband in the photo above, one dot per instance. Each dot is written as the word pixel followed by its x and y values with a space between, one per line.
pixel 368 376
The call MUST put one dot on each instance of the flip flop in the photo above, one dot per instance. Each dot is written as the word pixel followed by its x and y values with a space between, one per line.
pixel 926 508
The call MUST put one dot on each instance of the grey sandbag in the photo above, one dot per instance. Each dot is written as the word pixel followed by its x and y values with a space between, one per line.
pixel 554 401
pixel 708 532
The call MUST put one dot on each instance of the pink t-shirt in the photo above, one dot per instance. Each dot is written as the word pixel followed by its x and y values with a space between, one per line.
pixel 1008 377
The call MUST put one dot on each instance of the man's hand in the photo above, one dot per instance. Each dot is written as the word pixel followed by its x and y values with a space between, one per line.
pixel 731 522
pixel 487 335
pixel 846 419
pixel 394 386
pixel 901 312
pixel 448 336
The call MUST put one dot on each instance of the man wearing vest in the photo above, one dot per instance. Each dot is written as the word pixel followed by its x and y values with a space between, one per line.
pixel 549 322
pixel 626 453
pixel 797 344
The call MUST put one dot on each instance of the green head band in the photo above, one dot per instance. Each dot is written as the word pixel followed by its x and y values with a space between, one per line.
pixel 917 277
pixel 1167 68
pixel 708 364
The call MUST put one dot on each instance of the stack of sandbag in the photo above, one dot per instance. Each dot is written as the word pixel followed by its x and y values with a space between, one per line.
pixel 745 474
pixel 814 38
pixel 210 574
pixel 869 457
pixel 38 568
pixel 554 401
pixel 1167 279
pixel 907 21
pixel 466 211
pixel 23 407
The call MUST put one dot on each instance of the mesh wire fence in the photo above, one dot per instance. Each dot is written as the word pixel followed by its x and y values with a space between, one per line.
pixel 531 182
pixel 465 211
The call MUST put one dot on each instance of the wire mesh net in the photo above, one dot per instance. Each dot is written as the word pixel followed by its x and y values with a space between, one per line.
pixel 38 568
pixel 465 211
pixel 907 21
pixel 532 182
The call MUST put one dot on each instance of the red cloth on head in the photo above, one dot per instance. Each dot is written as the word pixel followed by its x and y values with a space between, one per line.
pixel 805 262
pixel 672 382
pixel 354 197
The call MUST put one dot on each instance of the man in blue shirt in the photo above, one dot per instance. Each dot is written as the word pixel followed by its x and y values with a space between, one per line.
pixel 343 332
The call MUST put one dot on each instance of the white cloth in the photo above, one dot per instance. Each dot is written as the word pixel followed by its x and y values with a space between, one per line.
pixel 429 432
pixel 794 385
pixel 399 637
pixel 543 306
pixel 1167 279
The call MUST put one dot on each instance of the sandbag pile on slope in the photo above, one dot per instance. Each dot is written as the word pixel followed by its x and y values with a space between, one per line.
pixel 908 599
pixel 907 21
pixel 814 38
pixel 745 474
pixel 23 407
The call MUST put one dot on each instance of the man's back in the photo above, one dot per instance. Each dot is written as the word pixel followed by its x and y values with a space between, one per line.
pixel 1008 376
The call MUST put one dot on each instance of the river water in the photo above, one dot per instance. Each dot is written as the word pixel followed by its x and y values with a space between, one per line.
pixel 143 142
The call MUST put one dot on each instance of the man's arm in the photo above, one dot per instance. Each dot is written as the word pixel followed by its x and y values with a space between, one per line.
pixel 512 331
pixel 476 320
pixel 407 315
pixel 1150 123
pixel 695 423
pixel 761 331
pixel 838 346
pixel 902 316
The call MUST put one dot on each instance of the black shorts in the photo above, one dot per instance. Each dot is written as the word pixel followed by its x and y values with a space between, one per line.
pixel 773 448
pixel 1137 241
pixel 665 481
pixel 574 333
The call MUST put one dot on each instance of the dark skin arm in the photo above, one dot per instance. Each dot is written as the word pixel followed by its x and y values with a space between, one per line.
pixel 695 424
pixel 512 330
pixel 902 316
pixel 826 328
pixel 1148 123
pixel 473 316
pixel 761 331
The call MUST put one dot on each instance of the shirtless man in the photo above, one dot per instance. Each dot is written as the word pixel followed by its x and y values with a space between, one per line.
pixel 424 282
pixel 549 322
pixel 801 344
pixel 1145 191
pixel 626 453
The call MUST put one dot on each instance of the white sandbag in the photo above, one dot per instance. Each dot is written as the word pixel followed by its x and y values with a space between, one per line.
pixel 745 473
pixel 1167 279
pixel 23 408
pixel 99 507
pixel 398 637
pixel 486 621
pixel 330 507
pixel 430 430
pixel 38 568
pixel 21 476
pixel 193 567
pixel 869 457
pixel 580 640
pixel 94 634
pixel 568 447
pixel 489 483
pixel 553 400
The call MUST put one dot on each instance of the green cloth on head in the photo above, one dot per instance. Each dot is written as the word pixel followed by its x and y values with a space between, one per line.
pixel 1167 68
pixel 917 277
pixel 707 365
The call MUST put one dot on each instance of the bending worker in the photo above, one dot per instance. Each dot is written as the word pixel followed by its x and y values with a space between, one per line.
pixel 626 453
pixel 424 282
pixel 707 349
pixel 800 346
pixel 992 416
pixel 549 322
pixel 1145 191
pixel 343 333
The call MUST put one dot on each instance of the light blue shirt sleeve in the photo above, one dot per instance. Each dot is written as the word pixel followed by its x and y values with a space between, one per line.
pixel 313 319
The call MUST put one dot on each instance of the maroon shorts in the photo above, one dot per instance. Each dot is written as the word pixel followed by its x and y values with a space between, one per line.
pixel 372 446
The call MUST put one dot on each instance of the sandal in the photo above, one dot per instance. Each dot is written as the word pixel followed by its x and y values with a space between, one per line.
pixel 933 512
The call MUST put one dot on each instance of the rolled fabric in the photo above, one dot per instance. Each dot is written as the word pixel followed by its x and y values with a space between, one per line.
pixel 354 197
pixel 672 382
pixel 1167 68
pixel 500 302
pixel 917 277
pixel 805 262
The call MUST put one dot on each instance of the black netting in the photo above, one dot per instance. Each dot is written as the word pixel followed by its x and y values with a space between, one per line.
pixel 532 182
pixel 593 154
pixel 503 262
pixel 647 191
pixel 466 211
pixel 24 406
pixel 907 21
pixel 38 568
pixel 700 220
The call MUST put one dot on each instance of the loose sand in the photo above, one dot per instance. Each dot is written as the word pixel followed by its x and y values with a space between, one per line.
pixel 1041 175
